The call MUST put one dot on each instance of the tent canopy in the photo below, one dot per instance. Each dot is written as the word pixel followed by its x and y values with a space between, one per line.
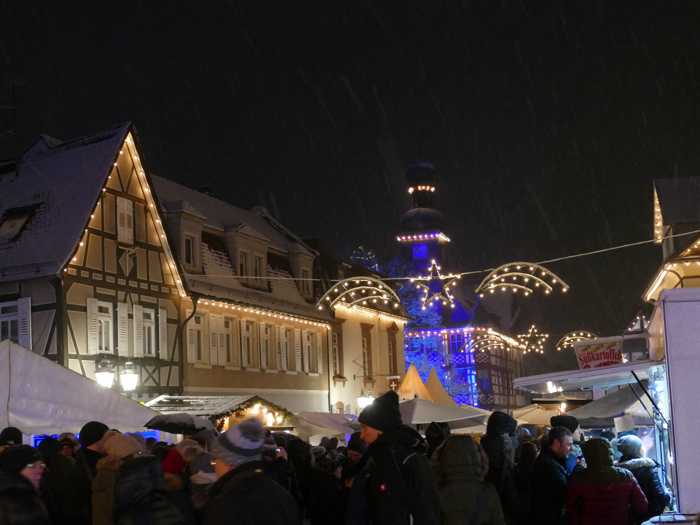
pixel 324 423
pixel 437 392
pixel 623 402
pixel 423 412
pixel 412 386
pixel 41 397
pixel 534 414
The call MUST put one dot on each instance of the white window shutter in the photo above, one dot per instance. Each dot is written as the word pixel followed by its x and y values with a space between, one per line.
pixel 92 325
pixel 235 342
pixel 214 348
pixel 297 349
pixel 306 339
pixel 123 329
pixel 222 348
pixel 125 221
pixel 245 341
pixel 191 339
pixel 163 349
pixel 138 330
pixel 24 322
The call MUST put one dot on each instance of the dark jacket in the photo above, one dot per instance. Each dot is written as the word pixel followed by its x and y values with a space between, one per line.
pixel 132 491
pixel 548 489
pixel 646 471
pixel 608 495
pixel 247 496
pixel 19 502
pixel 86 462
pixel 400 480
pixel 58 490
pixel 501 472
pixel 465 498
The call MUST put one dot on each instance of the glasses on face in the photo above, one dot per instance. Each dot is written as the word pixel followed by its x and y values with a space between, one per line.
pixel 36 465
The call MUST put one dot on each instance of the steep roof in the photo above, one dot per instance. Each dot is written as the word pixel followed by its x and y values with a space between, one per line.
pixel 221 215
pixel 59 182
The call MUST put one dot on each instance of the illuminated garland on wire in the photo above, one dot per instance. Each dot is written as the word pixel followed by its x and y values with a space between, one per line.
pixel 569 339
pixel 533 341
pixel 437 287
pixel 521 277
pixel 360 291
pixel 487 342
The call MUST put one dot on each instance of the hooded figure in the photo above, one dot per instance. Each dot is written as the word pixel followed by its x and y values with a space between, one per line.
pixel 646 472
pixel 498 446
pixel 602 493
pixel 460 466
pixel 400 488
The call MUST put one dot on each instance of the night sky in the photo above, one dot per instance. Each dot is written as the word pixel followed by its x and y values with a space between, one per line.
pixel 546 121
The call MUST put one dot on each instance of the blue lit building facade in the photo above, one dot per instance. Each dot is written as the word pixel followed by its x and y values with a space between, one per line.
pixel 476 363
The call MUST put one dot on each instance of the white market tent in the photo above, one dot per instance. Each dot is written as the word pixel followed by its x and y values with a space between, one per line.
pixel 314 423
pixel 41 397
pixel 424 412
pixel 412 386
pixel 436 391
pixel 621 403
pixel 534 414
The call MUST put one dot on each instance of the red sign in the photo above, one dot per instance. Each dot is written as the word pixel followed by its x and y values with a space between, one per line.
pixel 597 355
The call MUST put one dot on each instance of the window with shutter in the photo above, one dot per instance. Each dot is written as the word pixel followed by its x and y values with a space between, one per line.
pixel 367 365
pixel 282 347
pixel 123 329
pixel 247 343
pixel 138 330
pixel 125 221
pixel 93 339
pixel 265 330
pixel 149 332
pixel 298 360
pixel 195 352
pixel 163 350
pixel 104 324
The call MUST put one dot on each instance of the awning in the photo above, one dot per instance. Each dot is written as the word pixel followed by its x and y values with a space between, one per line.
pixel 423 412
pixel 604 377
pixel 623 402
pixel 39 396
pixel 210 406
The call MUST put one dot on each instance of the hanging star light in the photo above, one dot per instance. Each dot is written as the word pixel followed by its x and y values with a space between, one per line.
pixel 521 277
pixel 533 341
pixel 436 286
pixel 569 339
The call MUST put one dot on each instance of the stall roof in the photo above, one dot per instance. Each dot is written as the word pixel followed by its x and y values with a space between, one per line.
pixel 208 406
pixel 587 378
pixel 623 402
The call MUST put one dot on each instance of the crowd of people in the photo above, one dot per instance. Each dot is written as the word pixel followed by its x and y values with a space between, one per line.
pixel 386 474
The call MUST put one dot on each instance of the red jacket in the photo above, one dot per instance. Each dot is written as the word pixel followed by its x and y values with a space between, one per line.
pixel 607 495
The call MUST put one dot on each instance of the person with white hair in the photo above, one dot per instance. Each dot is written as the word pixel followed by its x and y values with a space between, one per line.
pixel 646 471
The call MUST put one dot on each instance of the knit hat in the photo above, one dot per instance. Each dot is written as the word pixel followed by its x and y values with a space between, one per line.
pixel 565 421
pixel 383 414
pixel 14 458
pixel 92 432
pixel 630 446
pixel 500 423
pixel 122 446
pixel 11 436
pixel 242 443
pixel 598 453
pixel 356 444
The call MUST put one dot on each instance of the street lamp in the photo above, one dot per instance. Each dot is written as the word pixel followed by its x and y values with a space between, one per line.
pixel 104 373
pixel 129 377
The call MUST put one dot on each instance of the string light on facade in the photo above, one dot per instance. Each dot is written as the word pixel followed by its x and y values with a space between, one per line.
pixel 428 188
pixel 569 339
pixel 436 287
pixel 420 237
pixel 523 277
pixel 262 312
pixel 532 341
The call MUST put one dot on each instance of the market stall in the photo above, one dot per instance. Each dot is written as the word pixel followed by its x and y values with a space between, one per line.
pixel 40 397
pixel 423 412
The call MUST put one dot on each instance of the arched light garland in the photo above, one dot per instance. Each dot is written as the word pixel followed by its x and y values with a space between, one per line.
pixel 521 277
pixel 436 287
pixel 569 339
pixel 487 342
pixel 532 341
pixel 360 291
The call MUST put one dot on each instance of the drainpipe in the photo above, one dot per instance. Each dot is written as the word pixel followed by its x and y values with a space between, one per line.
pixel 178 336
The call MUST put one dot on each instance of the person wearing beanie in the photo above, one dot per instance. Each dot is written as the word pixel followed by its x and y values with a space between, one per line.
pixel 549 480
pixel 244 487
pixel 603 493
pixel 646 472
pixel 500 423
pixel 10 436
pixel 25 461
pixel 573 461
pixel 400 487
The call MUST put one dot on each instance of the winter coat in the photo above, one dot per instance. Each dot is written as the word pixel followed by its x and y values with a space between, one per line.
pixel 646 471
pixel 501 472
pixel 549 482
pixel 354 479
pixel 130 492
pixel 19 502
pixel 607 495
pixel 58 490
pixel 248 496
pixel 325 499
pixel 400 480
pixel 86 461
pixel 465 498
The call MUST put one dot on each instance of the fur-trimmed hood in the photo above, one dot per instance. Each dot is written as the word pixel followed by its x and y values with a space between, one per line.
pixel 638 463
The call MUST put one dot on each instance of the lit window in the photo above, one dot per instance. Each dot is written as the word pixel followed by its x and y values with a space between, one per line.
pixel 13 222
pixel 104 327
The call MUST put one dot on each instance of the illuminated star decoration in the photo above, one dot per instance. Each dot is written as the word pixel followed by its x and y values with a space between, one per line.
pixel 533 341
pixel 521 277
pixel 568 340
pixel 436 287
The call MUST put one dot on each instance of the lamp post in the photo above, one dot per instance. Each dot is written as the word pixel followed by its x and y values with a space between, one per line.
pixel 106 372
pixel 129 377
